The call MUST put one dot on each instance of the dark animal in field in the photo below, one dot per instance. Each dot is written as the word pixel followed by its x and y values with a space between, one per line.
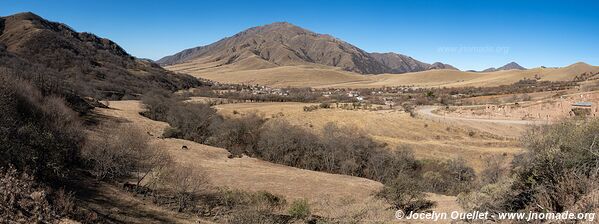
pixel 131 187
pixel 184 148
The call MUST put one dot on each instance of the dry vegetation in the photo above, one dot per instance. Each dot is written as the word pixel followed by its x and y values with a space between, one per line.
pixel 427 139
pixel 331 159
pixel 335 196
pixel 558 173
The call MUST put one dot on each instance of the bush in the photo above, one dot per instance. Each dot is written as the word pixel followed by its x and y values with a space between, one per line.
pixel 385 166
pixel 260 201
pixel 250 207
pixel 310 108
pixel 299 209
pixel 557 173
pixel 493 171
pixel 449 177
pixel 324 105
pixel 283 143
pixel 559 167
pixel 157 104
pixel 123 151
pixel 405 193
pixel 185 183
pixel 238 135
pixel 192 121
pixel 39 133
pixel 409 108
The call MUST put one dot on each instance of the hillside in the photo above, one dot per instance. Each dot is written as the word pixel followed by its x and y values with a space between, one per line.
pixel 284 44
pixel 79 62
pixel 324 77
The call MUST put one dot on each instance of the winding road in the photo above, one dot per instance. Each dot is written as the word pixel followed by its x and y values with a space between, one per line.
pixel 427 112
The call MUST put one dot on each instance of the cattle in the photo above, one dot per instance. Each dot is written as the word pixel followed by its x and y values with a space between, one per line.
pixel 184 147
pixel 131 187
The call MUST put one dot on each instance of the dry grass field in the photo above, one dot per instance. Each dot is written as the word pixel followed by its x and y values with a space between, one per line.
pixel 429 139
pixel 329 194
pixel 319 76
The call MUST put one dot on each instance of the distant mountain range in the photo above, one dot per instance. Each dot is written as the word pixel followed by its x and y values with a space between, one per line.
pixel 283 44
pixel 508 66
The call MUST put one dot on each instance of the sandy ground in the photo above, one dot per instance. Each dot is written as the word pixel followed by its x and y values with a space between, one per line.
pixel 330 195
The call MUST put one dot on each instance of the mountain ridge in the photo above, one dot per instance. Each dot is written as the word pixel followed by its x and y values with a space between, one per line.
pixel 508 66
pixel 282 43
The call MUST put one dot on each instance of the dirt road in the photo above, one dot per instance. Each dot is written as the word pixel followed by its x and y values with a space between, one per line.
pixel 427 112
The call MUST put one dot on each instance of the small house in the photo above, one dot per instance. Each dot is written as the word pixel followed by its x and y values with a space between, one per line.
pixel 581 108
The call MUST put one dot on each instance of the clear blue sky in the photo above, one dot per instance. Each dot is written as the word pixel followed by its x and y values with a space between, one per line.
pixel 466 34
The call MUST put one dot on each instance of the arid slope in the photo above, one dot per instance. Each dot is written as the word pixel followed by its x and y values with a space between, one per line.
pixel 325 76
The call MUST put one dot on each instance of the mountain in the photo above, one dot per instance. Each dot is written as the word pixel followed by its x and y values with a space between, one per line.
pixel 508 66
pixel 284 44
pixel 439 65
pixel 399 63
pixel 79 62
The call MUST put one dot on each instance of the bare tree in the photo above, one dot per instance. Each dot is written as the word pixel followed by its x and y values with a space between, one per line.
pixel 185 182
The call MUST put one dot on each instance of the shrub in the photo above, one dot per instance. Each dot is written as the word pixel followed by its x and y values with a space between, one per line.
pixel 299 209
pixel 409 108
pixel 493 170
pixel 192 121
pixel 324 105
pixel 238 135
pixel 39 133
pixel 123 151
pixel 185 183
pixel 559 167
pixel 449 177
pixel 157 104
pixel 260 201
pixel 405 193
pixel 557 173
pixel 385 166
pixel 310 108
pixel 283 143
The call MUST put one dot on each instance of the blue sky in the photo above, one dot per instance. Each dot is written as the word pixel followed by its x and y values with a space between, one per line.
pixel 466 34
